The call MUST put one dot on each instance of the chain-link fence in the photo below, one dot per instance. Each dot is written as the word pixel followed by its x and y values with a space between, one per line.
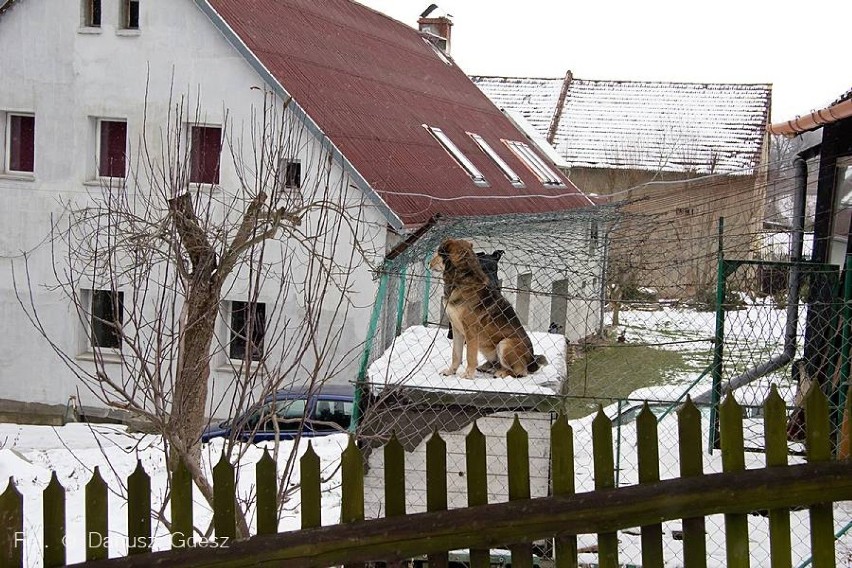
pixel 628 305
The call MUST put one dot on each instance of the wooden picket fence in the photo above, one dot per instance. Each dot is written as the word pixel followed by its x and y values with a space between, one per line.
pixel 480 526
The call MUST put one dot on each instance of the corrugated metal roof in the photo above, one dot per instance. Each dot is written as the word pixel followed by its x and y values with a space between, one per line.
pixel 676 127
pixel 370 83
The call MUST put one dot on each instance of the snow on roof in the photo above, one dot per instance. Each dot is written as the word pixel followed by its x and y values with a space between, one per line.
pixel 677 127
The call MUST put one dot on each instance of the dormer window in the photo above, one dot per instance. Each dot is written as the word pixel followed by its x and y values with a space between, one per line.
pixel 454 151
pixel 535 164
pixel 504 167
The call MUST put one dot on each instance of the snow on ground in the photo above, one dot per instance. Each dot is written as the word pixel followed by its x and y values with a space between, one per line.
pixel 30 454
pixel 417 357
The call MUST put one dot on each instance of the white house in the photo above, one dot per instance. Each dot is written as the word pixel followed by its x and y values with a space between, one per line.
pixel 392 127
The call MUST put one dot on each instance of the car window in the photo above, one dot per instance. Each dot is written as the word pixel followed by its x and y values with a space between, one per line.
pixel 287 412
pixel 332 414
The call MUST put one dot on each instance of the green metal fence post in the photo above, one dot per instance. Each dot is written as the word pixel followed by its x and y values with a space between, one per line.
pixel 400 300
pixel 718 348
pixel 427 289
pixel 360 383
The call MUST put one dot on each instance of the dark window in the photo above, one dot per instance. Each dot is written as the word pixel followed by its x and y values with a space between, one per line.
pixel 130 14
pixel 21 143
pixel 248 327
pixel 292 175
pixel 205 149
pixel 93 13
pixel 332 415
pixel 107 315
pixel 113 147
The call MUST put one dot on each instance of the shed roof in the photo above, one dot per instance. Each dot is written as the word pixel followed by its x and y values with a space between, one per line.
pixel 660 126
pixel 370 83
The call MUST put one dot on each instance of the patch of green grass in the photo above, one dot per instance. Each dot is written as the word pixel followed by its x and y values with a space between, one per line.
pixel 611 372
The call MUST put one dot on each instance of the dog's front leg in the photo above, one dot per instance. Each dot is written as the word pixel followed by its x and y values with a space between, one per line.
pixel 472 357
pixel 458 344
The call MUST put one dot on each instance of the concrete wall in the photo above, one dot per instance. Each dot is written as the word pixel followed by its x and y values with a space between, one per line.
pixel 68 76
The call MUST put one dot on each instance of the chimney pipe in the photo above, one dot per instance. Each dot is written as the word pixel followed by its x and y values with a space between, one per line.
pixel 437 30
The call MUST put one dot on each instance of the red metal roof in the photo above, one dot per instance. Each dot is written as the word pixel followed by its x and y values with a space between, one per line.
pixel 370 82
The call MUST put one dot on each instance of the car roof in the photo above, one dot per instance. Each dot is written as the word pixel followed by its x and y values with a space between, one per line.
pixel 346 391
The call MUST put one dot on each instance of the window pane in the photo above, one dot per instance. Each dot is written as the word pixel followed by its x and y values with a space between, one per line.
pixel 21 143
pixel 206 147
pixel 335 414
pixel 113 147
pixel 107 316
pixel 132 21
pixel 293 175
pixel 248 327
pixel 94 15
pixel 454 151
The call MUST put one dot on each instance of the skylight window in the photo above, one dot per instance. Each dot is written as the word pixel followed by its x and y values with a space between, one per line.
pixel 536 165
pixel 504 167
pixel 454 151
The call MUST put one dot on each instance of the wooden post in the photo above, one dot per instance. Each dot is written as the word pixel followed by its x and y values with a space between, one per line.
pixel 139 511
pixel 818 446
pixel 562 467
pixel 518 457
pixel 97 518
pixel 11 527
pixel 266 475
pixel 691 465
pixel 649 472
pixel 352 491
pixel 604 479
pixel 775 431
pixel 394 455
pixel 224 501
pixel 312 491
pixel 53 510
pixel 181 506
pixel 733 459
pixel 436 488
pixel 477 486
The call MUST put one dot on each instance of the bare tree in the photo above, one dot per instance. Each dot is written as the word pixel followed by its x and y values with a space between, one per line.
pixel 148 262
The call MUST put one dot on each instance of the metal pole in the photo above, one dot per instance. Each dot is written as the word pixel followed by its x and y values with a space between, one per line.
pixel 361 381
pixel 427 289
pixel 400 300
pixel 718 349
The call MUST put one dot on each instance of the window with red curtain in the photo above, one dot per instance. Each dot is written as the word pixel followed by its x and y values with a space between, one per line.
pixel 113 149
pixel 21 143
pixel 205 150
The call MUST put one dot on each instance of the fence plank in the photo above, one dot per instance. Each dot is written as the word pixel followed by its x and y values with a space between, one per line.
pixel 311 489
pixel 733 459
pixel 352 490
pixel 477 485
pixel 604 479
pixel 818 447
pixel 436 488
pixel 224 501
pixel 691 465
pixel 181 506
pixel 649 472
pixel 518 458
pixel 11 527
pixel 394 455
pixel 266 476
pixel 775 431
pixel 562 467
pixel 97 518
pixel 53 508
pixel 139 511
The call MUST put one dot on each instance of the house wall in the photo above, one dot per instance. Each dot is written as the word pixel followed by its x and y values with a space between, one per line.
pixel 68 76
pixel 669 231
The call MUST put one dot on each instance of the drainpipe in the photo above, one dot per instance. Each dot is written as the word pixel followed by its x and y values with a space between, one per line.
pixel 790 333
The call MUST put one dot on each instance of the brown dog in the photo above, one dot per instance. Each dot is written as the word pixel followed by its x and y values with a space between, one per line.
pixel 481 317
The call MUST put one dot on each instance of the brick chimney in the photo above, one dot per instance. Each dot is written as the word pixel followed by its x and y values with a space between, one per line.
pixel 437 30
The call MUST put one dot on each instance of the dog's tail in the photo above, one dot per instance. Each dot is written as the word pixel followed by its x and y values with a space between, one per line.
pixel 538 362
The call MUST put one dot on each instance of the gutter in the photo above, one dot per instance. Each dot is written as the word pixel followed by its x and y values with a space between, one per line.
pixel 793 286
pixel 814 120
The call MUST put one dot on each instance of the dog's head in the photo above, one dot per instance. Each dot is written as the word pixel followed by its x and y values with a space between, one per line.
pixel 452 252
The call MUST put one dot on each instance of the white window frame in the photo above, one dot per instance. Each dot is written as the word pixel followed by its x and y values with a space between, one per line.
pixel 98 122
pixel 534 163
pixel 7 144
pixel 462 160
pixel 230 332
pixel 124 15
pixel 87 14
pixel 510 174
pixel 87 346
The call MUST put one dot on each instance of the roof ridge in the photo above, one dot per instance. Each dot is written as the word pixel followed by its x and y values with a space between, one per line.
pixel 474 76
pixel 692 83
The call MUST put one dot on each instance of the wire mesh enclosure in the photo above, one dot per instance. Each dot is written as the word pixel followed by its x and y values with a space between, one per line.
pixel 652 299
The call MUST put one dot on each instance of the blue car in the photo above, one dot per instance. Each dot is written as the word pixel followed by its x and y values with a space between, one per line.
pixel 288 413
